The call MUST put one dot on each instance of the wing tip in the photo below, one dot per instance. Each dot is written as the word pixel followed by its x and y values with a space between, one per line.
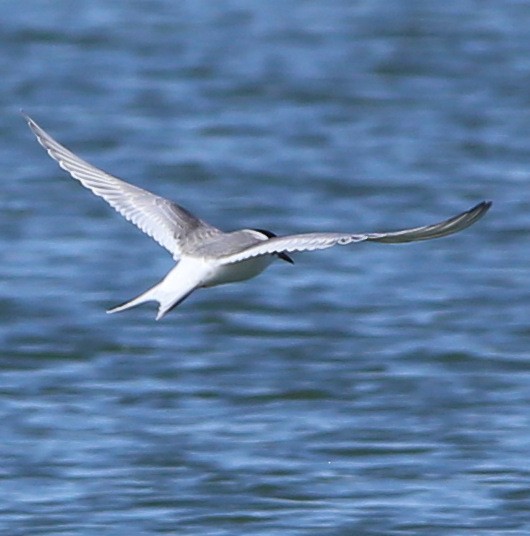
pixel 35 128
pixel 484 205
pixel 26 117
pixel 479 209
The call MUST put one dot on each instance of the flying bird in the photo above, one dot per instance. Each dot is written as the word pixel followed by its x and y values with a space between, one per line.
pixel 205 255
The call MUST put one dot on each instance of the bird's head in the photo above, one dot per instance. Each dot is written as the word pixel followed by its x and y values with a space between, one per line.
pixel 282 255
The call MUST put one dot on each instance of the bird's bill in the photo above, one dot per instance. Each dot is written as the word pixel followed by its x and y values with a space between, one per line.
pixel 285 257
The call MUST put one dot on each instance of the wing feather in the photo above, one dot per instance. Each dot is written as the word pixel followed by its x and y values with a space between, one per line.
pixel 161 219
pixel 312 241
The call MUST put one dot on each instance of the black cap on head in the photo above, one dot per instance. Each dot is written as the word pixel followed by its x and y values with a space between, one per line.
pixel 281 255
pixel 268 234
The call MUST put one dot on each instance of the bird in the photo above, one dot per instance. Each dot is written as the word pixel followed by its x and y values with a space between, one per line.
pixel 207 256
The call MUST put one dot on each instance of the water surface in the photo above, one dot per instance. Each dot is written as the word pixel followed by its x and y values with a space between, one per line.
pixel 366 390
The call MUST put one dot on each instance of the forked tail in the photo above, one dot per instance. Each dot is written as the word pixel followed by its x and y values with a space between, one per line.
pixel 166 303
pixel 148 295
pixel 169 293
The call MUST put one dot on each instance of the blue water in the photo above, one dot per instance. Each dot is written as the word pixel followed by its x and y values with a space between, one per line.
pixel 366 390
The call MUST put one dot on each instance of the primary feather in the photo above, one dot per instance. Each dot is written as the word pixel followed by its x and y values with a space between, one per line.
pixel 312 241
pixel 164 221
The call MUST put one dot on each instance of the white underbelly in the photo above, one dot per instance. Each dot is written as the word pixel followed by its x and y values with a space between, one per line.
pixel 230 273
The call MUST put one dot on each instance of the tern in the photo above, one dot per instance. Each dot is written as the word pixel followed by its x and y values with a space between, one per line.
pixel 205 255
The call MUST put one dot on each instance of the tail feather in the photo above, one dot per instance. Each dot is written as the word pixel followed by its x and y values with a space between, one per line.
pixel 148 295
pixel 169 305
pixel 167 302
pixel 178 284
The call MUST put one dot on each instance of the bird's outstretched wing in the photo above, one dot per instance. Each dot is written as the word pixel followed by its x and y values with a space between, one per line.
pixel 164 221
pixel 312 241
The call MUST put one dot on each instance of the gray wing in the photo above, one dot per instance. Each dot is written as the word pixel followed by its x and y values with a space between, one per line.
pixel 312 241
pixel 164 221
